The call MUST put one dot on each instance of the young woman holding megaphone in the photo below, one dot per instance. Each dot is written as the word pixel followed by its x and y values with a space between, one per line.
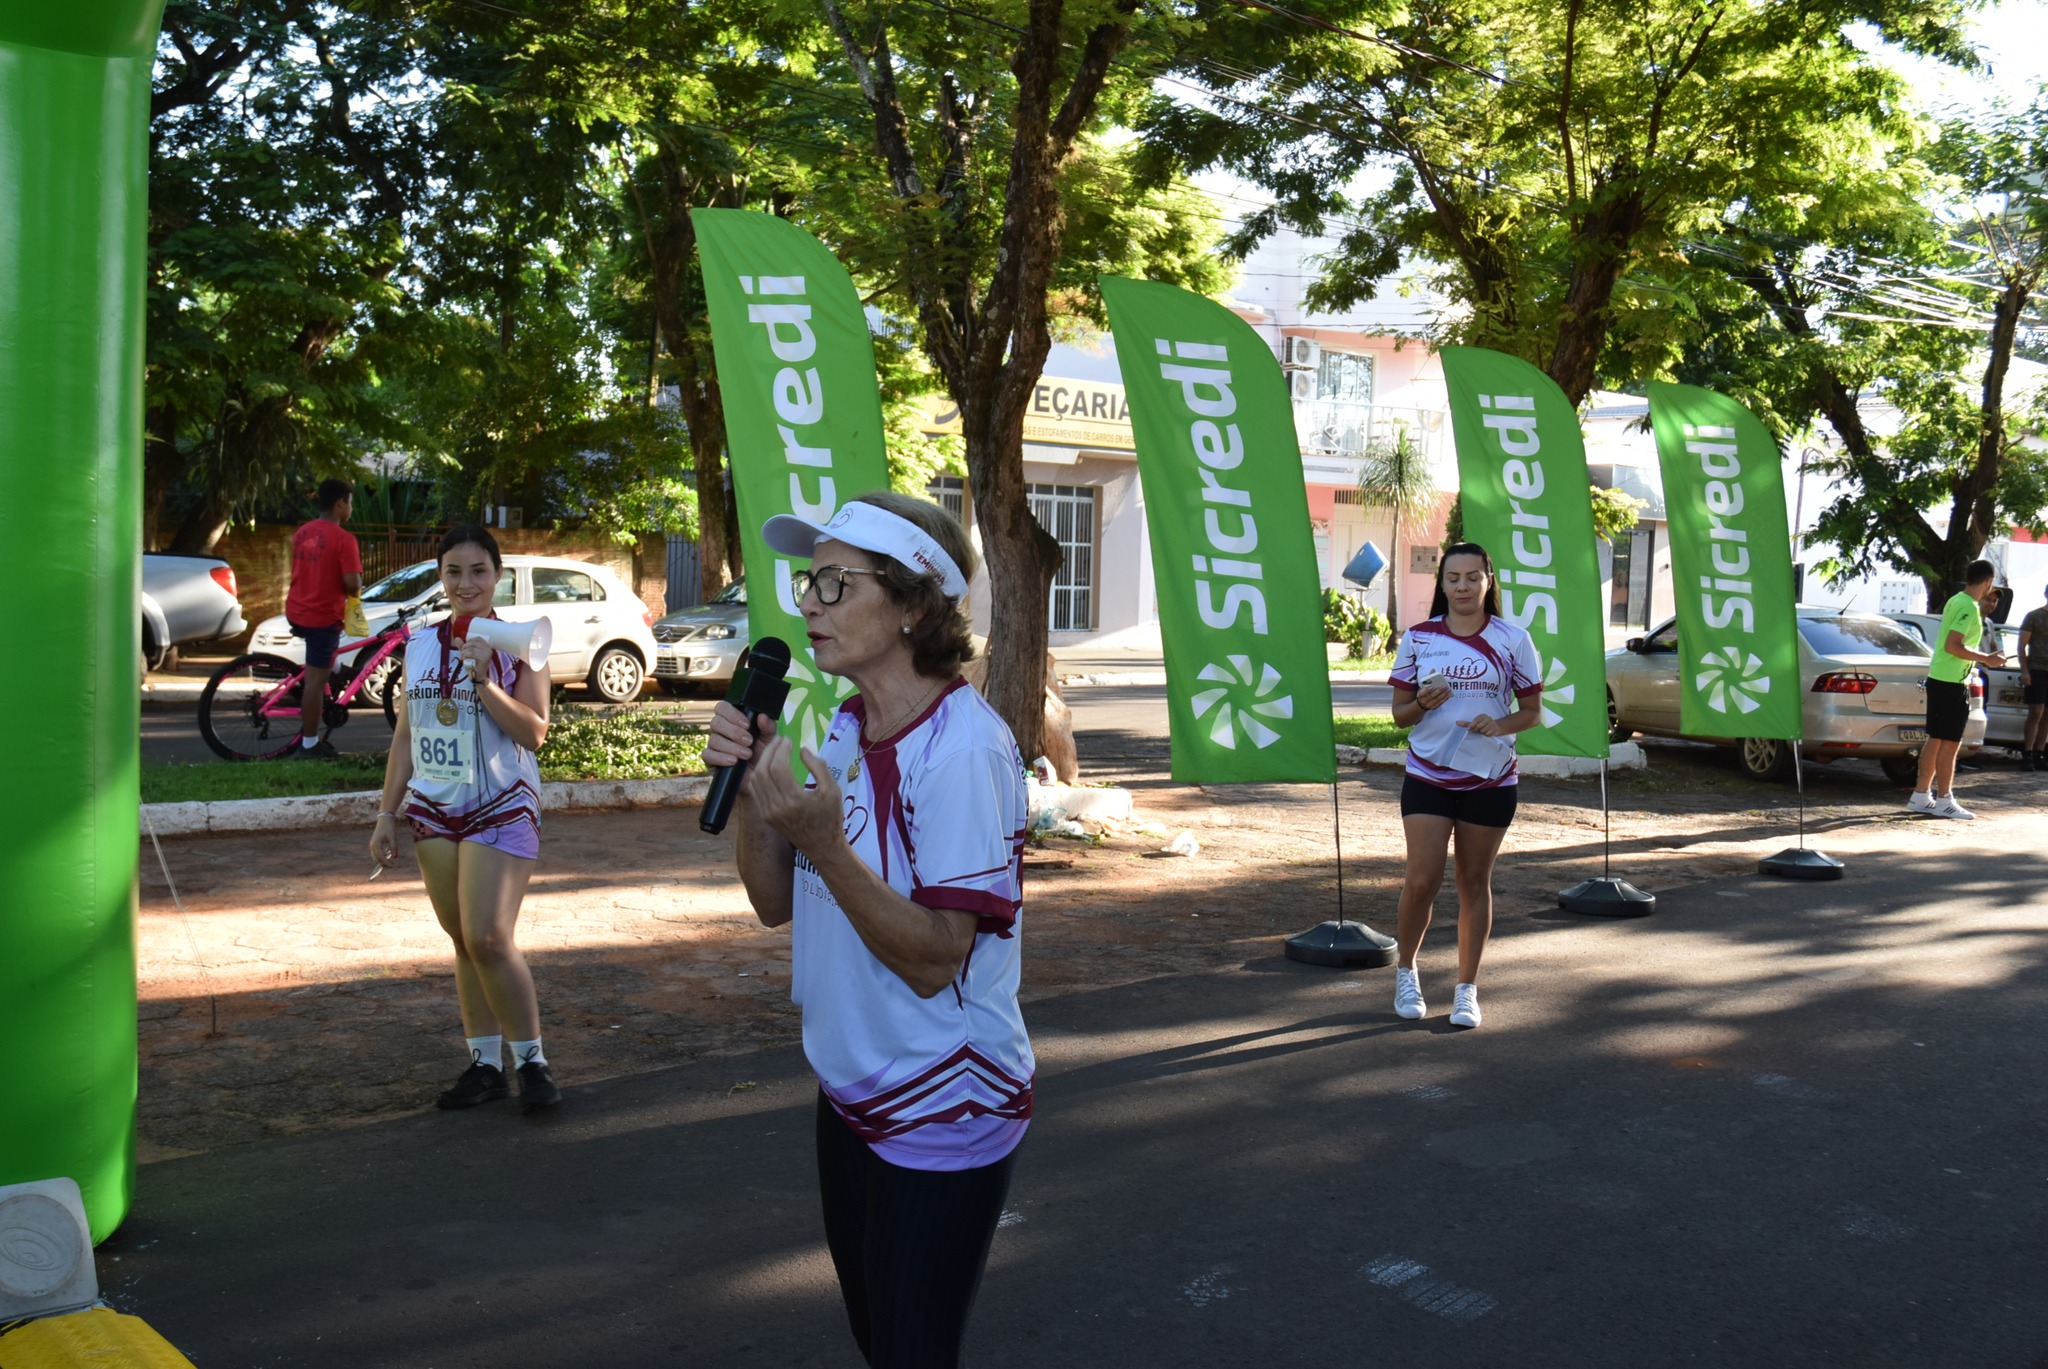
pixel 462 771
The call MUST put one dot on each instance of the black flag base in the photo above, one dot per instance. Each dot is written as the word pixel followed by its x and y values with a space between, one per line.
pixel 1800 863
pixel 1607 898
pixel 1341 945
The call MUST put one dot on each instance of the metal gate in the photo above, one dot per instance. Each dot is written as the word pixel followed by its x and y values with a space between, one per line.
pixel 1068 513
pixel 685 585
pixel 388 547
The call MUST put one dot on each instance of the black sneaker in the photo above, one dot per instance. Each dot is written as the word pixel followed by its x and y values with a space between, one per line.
pixel 537 1089
pixel 322 750
pixel 478 1084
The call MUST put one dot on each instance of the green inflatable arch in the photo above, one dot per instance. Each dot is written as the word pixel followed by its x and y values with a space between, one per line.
pixel 74 120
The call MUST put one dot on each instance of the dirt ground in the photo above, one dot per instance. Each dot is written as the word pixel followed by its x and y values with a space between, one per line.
pixel 293 993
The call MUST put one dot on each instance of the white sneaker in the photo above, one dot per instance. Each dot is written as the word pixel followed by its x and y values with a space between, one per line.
pixel 1408 994
pixel 1947 807
pixel 1921 803
pixel 1465 1006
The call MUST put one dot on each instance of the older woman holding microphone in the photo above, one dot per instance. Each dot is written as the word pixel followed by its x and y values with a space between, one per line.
pixel 899 862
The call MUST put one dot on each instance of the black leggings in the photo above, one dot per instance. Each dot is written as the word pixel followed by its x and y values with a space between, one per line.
pixel 909 1245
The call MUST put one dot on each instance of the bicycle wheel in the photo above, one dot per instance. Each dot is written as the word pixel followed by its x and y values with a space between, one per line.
pixel 249 709
pixel 391 693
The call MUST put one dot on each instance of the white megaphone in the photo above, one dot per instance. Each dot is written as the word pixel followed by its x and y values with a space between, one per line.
pixel 527 641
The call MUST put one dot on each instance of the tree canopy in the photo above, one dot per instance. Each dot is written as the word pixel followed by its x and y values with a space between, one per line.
pixel 1552 160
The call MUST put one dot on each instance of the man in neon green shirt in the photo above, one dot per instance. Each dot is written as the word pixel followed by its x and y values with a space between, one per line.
pixel 1948 693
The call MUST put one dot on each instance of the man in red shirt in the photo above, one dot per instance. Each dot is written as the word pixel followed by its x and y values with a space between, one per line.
pixel 327 567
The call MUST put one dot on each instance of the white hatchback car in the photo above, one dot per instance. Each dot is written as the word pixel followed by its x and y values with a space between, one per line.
pixel 603 634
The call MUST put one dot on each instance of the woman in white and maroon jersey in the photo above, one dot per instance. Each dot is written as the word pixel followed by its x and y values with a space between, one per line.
pixel 899 861
pixel 1465 682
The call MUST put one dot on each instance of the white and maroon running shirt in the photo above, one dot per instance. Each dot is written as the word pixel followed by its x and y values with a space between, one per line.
pixel 1487 672
pixel 940 1083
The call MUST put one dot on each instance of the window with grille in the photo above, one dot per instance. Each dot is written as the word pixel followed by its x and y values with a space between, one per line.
pixel 1345 376
pixel 949 492
pixel 1068 513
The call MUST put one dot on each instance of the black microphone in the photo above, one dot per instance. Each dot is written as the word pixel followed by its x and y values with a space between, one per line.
pixel 759 689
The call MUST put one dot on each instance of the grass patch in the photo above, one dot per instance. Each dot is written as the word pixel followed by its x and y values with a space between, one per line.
pixel 1370 730
pixel 213 781
pixel 643 743
pixel 1383 660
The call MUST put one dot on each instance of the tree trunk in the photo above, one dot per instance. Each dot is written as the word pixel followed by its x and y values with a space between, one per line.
pixel 988 340
pixel 162 466
pixel 1394 581
pixel 1022 560
pixel 201 531
pixel 704 415
pixel 671 239
pixel 1605 240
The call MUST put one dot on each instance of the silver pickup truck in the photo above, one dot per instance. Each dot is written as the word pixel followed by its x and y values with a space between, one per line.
pixel 185 599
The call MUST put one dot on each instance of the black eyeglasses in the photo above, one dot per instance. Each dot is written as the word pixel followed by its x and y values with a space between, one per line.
pixel 828 581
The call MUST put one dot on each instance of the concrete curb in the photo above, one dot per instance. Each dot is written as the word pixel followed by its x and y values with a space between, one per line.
pixel 327 810
pixel 1621 756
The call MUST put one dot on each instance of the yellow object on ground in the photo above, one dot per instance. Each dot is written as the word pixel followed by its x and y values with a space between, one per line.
pixel 97 1338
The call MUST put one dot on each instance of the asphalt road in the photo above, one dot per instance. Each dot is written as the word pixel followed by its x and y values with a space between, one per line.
pixel 1776 1124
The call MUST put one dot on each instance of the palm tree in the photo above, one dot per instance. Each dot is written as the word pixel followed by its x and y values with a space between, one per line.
pixel 1394 475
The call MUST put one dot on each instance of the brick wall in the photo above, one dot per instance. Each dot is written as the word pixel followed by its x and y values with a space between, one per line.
pixel 262 558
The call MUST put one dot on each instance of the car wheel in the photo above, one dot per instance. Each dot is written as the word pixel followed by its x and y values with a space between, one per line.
pixel 1765 758
pixel 379 683
pixel 616 675
pixel 1615 731
pixel 1902 769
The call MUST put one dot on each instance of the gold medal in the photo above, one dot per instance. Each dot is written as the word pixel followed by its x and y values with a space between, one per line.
pixel 446 713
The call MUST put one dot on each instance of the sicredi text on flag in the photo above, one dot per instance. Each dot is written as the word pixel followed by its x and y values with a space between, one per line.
pixel 1722 464
pixel 799 397
pixel 1206 390
pixel 1526 585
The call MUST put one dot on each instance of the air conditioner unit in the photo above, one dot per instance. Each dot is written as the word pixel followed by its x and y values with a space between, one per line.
pixel 1301 385
pixel 1303 351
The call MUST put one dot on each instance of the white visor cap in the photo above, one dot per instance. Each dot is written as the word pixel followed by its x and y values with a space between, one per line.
pixel 871 529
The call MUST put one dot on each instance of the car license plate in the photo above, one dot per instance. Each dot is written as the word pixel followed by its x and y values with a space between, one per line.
pixel 1912 734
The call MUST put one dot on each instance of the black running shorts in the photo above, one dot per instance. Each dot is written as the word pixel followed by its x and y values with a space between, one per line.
pixel 1481 807
pixel 1948 709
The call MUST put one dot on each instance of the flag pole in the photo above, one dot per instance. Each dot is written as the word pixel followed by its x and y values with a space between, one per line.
pixel 1799 862
pixel 1341 944
pixel 1606 896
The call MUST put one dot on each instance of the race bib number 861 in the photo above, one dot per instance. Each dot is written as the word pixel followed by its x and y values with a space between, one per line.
pixel 443 755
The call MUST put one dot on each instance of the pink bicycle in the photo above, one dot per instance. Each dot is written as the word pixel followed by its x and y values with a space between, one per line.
pixel 249 710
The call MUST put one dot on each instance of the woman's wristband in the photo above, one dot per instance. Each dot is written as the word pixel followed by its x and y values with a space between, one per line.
pixel 392 816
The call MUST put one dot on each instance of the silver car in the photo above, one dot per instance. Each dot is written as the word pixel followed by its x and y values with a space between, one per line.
pixel 699 647
pixel 601 629
pixel 1864 682
pixel 2005 698
pixel 185 599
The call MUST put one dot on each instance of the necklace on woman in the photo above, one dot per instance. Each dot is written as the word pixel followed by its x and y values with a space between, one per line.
pixel 853 770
